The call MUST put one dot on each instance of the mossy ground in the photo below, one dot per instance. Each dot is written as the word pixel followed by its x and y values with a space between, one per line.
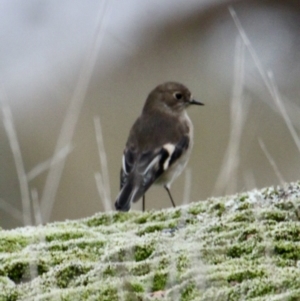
pixel 243 247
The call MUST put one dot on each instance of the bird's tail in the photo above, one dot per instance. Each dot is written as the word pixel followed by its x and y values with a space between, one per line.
pixel 148 168
pixel 130 193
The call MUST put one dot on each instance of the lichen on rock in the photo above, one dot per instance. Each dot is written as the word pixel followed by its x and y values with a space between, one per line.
pixel 241 247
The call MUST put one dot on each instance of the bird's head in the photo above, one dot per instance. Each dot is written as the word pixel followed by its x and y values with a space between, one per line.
pixel 171 97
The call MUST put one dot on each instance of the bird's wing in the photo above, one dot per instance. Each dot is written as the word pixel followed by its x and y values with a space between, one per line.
pixel 150 165
pixel 128 163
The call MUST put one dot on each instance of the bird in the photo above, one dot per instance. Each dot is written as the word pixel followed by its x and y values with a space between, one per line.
pixel 159 144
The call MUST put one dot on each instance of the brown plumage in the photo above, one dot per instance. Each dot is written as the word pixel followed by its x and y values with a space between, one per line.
pixel 158 145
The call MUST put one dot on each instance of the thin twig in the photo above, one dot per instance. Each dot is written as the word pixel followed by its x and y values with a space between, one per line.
pixel 250 48
pixel 44 166
pixel 101 190
pixel 11 210
pixel 103 160
pixel 36 207
pixel 271 161
pixel 71 118
pixel 280 105
pixel 227 178
pixel 268 78
pixel 15 148
pixel 38 221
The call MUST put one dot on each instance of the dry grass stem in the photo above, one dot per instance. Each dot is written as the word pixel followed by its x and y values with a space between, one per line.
pixel 15 148
pixel 227 178
pixel 106 198
pixel 71 118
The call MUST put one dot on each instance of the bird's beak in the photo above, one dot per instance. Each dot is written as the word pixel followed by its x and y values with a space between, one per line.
pixel 195 102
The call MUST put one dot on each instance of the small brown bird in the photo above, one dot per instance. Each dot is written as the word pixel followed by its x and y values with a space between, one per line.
pixel 159 144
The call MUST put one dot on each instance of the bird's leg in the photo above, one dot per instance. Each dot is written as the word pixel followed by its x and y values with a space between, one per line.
pixel 169 193
pixel 144 203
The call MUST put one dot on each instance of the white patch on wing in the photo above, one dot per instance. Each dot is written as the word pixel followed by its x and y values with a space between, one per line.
pixel 124 165
pixel 152 163
pixel 132 195
pixel 170 149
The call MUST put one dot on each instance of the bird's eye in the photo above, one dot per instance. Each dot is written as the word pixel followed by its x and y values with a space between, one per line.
pixel 178 95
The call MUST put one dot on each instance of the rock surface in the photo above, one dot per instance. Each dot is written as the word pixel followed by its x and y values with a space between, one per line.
pixel 241 247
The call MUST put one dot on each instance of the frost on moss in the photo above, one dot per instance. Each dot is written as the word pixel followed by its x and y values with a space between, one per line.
pixel 243 247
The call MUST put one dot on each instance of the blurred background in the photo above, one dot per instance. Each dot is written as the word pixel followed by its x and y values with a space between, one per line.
pixel 74 76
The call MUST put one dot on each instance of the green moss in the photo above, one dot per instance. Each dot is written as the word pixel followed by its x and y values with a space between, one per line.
pixel 244 198
pixel 273 215
pixel 249 234
pixel 272 192
pixel 244 216
pixel 189 292
pixel 182 263
pixel 158 216
pixel 263 288
pixel 42 267
pixel 159 281
pixel 244 206
pixel 64 236
pixel 217 228
pixel 91 245
pixel 176 214
pixel 10 296
pixel 17 270
pixel 143 252
pixel 137 287
pixel 58 247
pixel 161 216
pixel 109 294
pixel 13 244
pixel 133 287
pixel 137 253
pixel 291 233
pixel 141 269
pixel 56 258
pixel 100 220
pixel 163 263
pixel 121 217
pixel 288 206
pixel 142 219
pixel 283 263
pixel 170 227
pixel 287 250
pixel 247 252
pixel 192 221
pixel 151 229
pixel 69 273
pixel 240 276
pixel 218 209
pixel 239 250
pixel 173 225
pixel 109 271
pixel 294 296
pixel 196 209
